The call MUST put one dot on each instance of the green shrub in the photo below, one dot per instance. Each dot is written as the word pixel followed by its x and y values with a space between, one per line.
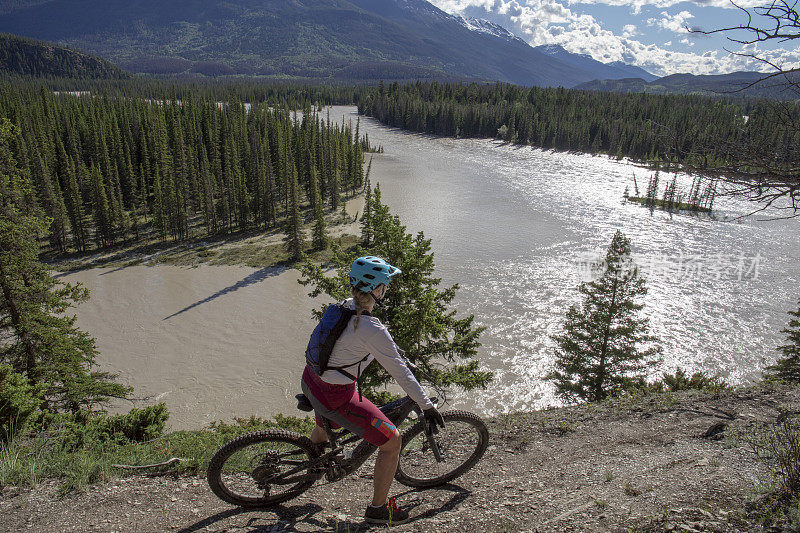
pixel 73 431
pixel 698 381
pixel 255 423
pixel 680 381
pixel 138 425
pixel 777 445
pixel 18 400
pixel 79 458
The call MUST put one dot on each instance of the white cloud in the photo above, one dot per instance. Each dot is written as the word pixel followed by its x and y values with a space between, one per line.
pixel 676 23
pixel 636 5
pixel 554 22
pixel 629 30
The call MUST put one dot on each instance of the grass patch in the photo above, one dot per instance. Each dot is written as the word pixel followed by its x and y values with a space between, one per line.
pixel 251 254
pixel 25 461
pixel 630 490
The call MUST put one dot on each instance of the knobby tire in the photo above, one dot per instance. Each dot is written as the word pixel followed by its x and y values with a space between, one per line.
pixel 277 438
pixel 457 420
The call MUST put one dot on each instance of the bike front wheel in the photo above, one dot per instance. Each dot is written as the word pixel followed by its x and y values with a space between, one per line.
pixel 461 443
pixel 263 468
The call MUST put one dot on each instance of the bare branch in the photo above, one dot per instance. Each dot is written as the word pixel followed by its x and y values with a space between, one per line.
pixel 143 467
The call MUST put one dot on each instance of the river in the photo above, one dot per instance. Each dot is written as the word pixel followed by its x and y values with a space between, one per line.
pixel 516 227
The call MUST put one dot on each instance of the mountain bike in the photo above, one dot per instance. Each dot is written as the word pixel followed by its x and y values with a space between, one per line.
pixel 268 467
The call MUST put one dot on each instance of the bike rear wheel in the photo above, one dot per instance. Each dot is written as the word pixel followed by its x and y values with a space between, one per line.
pixel 462 443
pixel 263 468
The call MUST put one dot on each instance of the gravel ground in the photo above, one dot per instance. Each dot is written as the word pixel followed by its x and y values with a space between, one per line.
pixel 639 465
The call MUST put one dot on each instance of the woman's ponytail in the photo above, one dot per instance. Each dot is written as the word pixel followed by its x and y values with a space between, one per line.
pixel 361 300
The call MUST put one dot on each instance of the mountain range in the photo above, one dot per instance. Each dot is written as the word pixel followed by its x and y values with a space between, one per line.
pixel 309 39
pixel 733 84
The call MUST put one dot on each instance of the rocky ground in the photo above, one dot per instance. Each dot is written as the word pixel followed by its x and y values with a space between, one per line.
pixel 662 463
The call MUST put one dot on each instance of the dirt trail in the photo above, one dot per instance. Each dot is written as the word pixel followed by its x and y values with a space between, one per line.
pixel 641 466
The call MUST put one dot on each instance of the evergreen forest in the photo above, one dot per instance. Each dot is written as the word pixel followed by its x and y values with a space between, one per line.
pixel 29 57
pixel 645 127
pixel 129 161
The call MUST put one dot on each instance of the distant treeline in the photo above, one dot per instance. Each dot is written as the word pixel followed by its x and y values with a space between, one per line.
pixel 122 166
pixel 289 94
pixel 644 127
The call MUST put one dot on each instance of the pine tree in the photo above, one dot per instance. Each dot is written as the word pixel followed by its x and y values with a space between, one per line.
pixel 319 236
pixel 787 368
pixel 159 212
pixel 334 187
pixel 104 230
pixel 80 236
pixel 207 193
pixel 294 222
pixel 40 342
pixel 53 203
pixel 270 196
pixel 417 310
pixel 366 217
pixel 605 345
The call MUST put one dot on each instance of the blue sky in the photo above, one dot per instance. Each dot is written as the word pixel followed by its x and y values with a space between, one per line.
pixel 649 33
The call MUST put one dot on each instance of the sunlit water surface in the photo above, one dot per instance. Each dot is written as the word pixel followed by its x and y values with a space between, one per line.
pixel 515 227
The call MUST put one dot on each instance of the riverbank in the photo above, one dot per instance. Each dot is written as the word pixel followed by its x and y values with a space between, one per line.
pixel 256 249
pixel 636 464
pixel 210 342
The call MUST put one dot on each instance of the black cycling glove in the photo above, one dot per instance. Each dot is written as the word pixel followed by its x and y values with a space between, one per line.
pixel 434 419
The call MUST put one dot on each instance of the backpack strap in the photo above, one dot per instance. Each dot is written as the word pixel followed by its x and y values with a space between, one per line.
pixel 330 341
pixel 341 369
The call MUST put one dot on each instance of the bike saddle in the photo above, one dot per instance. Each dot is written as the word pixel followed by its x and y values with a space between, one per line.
pixel 303 404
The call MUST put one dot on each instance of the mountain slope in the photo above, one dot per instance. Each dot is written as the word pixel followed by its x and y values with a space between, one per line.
pixel 733 84
pixel 28 57
pixel 614 70
pixel 310 38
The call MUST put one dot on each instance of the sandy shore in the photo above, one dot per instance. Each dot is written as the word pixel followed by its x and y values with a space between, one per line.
pixel 213 342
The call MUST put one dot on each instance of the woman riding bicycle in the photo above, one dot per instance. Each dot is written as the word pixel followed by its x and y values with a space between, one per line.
pixel 333 394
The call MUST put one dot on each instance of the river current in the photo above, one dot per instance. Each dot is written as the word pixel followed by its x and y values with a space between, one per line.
pixel 517 228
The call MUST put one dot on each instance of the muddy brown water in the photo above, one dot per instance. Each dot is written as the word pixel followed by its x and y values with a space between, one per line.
pixel 516 228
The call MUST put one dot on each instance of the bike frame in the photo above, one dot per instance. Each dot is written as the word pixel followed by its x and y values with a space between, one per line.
pixel 333 464
pixel 396 411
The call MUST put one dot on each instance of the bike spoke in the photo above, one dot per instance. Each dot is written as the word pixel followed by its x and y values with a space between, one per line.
pixel 264 469
pixel 456 442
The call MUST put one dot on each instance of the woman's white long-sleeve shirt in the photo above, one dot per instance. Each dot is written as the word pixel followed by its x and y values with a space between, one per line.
pixel 371 337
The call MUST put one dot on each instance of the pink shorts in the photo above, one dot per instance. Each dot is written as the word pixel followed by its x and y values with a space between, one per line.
pixel 340 404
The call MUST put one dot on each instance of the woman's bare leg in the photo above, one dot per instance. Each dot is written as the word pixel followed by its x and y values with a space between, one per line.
pixel 385 469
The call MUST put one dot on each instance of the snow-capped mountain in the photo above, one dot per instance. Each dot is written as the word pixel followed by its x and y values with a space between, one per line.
pixel 309 40
pixel 487 27
pixel 613 70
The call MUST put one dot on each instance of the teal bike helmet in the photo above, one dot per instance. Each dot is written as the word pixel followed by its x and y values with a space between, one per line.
pixel 369 272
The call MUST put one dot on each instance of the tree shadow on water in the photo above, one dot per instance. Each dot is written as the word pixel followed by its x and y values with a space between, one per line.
pixel 256 277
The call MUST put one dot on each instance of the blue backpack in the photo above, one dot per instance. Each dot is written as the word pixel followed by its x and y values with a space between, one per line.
pixel 323 338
